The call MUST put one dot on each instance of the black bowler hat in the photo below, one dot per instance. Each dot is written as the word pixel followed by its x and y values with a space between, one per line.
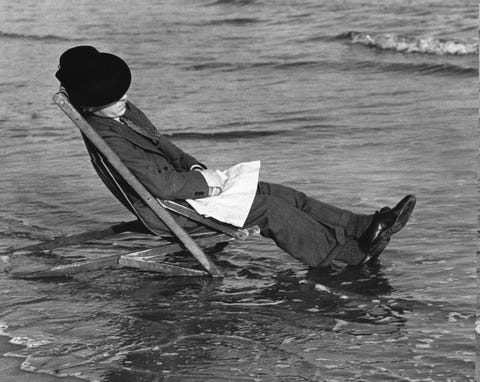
pixel 92 78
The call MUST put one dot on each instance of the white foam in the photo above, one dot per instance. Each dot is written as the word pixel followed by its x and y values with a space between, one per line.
pixel 3 328
pixel 27 366
pixel 339 324
pixel 4 263
pixel 429 45
pixel 29 342
pixel 455 316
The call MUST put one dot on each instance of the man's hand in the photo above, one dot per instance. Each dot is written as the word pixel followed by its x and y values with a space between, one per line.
pixel 215 180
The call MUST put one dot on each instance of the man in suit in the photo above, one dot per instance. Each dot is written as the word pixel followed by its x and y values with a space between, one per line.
pixel 314 232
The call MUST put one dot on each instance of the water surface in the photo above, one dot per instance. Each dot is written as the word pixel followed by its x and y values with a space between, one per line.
pixel 356 103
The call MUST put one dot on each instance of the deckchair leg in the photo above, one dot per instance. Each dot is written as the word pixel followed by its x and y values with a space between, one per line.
pixel 65 241
pixel 146 260
pixel 64 269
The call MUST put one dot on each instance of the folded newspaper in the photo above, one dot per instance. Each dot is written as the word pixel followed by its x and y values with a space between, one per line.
pixel 233 204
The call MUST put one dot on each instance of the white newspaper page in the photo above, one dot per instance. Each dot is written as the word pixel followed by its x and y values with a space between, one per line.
pixel 233 204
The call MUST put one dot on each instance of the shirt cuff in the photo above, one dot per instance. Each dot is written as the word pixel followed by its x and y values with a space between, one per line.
pixel 197 167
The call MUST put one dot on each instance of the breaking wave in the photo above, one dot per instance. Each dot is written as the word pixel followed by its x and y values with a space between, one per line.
pixel 232 2
pixel 423 68
pixel 240 21
pixel 226 135
pixel 405 44
pixel 33 37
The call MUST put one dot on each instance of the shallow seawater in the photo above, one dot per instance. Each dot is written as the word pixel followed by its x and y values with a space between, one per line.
pixel 355 103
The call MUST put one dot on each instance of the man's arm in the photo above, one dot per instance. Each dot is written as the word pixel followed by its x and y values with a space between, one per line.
pixel 156 174
pixel 179 157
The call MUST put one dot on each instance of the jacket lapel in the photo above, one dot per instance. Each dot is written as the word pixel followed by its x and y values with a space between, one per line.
pixel 127 133
pixel 136 138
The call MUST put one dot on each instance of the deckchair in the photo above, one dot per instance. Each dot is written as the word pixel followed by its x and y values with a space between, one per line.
pixel 118 178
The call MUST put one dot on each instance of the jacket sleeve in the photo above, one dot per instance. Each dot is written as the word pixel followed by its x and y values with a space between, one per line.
pixel 162 181
pixel 181 159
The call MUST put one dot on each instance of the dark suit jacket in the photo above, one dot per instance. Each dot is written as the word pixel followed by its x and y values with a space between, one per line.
pixel 159 165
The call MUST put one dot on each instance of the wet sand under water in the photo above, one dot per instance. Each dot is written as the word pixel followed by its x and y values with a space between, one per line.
pixel 270 320
pixel 10 367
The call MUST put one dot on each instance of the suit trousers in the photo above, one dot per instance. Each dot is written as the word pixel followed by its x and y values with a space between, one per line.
pixel 310 230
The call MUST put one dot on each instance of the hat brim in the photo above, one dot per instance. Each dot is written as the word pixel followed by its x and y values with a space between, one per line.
pixel 105 81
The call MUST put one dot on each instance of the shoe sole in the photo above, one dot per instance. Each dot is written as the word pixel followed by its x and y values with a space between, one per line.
pixel 376 250
pixel 404 214
pixel 384 238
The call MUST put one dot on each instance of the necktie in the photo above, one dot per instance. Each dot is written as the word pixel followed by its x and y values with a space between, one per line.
pixel 147 131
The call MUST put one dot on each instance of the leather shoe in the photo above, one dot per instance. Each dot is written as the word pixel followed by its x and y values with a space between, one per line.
pixel 385 223
pixel 403 209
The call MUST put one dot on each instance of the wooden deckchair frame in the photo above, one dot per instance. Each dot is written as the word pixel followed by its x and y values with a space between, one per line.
pixel 147 259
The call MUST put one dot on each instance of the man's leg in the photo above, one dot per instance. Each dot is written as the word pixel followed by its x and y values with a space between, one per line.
pixel 343 222
pixel 298 233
